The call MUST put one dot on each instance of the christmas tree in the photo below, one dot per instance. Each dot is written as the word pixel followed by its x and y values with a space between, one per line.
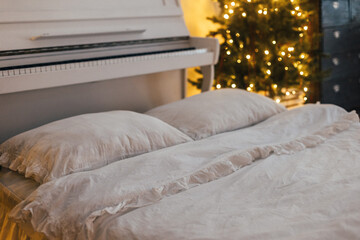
pixel 268 45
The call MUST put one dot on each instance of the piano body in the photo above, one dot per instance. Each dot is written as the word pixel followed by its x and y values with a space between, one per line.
pixel 48 43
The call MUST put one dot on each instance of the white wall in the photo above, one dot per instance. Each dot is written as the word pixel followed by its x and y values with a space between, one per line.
pixel 195 13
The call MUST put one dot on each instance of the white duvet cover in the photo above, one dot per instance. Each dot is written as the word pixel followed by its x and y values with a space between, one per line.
pixel 295 175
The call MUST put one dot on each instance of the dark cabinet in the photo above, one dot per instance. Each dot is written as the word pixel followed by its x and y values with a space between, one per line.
pixel 340 27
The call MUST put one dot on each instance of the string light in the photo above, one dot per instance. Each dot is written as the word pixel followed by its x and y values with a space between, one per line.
pixel 274 42
pixel 278 100
pixel 306 28
pixel 299 14
pixel 302 56
pixel 301 73
pixel 226 16
pixel 305 99
pixel 279 59
pixel 218 86
pixel 248 89
pixel 248 56
pixel 233 85
pixel 237 34
pixel 293 12
pixel 231 11
pixel 243 14
pixel 251 85
pixel 228 52
pixel 306 89
pixel 269 64
pixel 268 72
pixel 238 61
pixel 266 52
pixel 291 49
pixel 275 86
pixel 287 93
pixel 231 41
pixel 232 3
pixel 286 68
pixel 297 8
pixel 260 11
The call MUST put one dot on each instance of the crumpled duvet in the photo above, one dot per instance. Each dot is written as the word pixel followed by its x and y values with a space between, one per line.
pixel 307 179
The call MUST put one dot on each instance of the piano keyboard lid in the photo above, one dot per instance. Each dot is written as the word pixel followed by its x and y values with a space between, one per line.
pixel 45 32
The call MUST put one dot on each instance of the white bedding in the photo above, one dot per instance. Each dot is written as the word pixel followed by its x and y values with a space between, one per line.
pixel 306 185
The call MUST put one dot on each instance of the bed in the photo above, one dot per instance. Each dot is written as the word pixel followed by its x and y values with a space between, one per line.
pixel 225 164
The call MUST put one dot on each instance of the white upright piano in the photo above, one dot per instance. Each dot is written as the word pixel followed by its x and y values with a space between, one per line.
pixel 51 43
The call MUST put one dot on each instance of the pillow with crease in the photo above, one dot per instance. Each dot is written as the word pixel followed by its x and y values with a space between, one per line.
pixel 214 112
pixel 85 142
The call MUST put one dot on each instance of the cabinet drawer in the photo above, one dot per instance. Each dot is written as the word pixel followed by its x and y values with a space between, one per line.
pixel 335 13
pixel 342 92
pixel 355 10
pixel 341 39
pixel 342 65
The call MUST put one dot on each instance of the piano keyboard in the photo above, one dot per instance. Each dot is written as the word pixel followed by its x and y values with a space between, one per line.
pixel 97 63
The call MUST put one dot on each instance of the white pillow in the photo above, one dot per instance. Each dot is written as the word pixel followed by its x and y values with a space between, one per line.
pixel 85 142
pixel 217 111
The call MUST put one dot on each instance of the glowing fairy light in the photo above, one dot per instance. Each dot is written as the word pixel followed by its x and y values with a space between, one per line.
pixel 248 57
pixel 274 42
pixel 218 86
pixel 251 85
pixel 306 89
pixel 233 85
pixel 266 52
pixel 278 100
pixel 243 14
pixel 268 72
pixel 226 16
pixel 306 28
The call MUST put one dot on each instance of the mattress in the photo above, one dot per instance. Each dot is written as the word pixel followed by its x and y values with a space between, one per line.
pixel 291 176
pixel 294 176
